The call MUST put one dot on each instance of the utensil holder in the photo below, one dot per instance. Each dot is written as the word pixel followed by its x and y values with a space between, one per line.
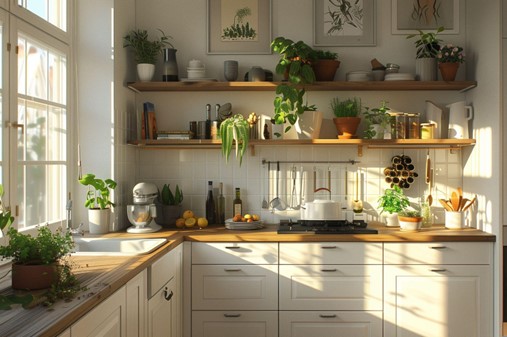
pixel 454 220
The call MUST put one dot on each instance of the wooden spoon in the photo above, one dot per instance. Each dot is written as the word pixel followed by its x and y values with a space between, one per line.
pixel 469 204
pixel 454 201
pixel 445 204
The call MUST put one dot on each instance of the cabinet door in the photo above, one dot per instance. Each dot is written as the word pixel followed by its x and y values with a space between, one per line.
pixel 163 312
pixel 234 287
pixel 331 287
pixel 438 301
pixel 107 319
pixel 235 323
pixel 137 297
pixel 331 323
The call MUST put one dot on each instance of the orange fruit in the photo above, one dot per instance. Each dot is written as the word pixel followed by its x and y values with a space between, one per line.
pixel 255 217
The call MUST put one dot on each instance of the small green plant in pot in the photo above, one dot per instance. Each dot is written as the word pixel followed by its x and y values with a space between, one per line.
pixel 325 65
pixel 235 130
pixel 346 114
pixel 427 47
pixel 98 202
pixel 378 121
pixel 169 206
pixel 410 219
pixel 393 201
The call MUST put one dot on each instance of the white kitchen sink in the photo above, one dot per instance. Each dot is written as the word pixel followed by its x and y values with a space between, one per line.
pixel 116 246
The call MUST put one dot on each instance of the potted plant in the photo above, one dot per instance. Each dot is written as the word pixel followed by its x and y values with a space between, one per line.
pixel 326 65
pixel 410 219
pixel 346 116
pixel 378 121
pixel 427 49
pixel 449 58
pixel 169 206
pixel 393 201
pixel 98 202
pixel 295 64
pixel 146 51
pixel 235 130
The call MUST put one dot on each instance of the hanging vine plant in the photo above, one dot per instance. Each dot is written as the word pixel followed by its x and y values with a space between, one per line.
pixel 235 130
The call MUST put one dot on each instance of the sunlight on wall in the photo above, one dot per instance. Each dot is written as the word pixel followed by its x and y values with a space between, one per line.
pixel 481 165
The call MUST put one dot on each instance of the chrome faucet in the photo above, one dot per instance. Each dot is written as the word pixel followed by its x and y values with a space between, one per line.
pixel 79 230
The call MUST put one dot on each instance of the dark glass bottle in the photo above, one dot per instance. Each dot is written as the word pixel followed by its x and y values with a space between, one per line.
pixel 237 204
pixel 208 122
pixel 210 205
pixel 221 206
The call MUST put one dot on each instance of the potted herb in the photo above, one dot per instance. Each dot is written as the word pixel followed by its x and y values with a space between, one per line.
pixel 169 206
pixel 449 58
pixel 326 65
pixel 393 201
pixel 146 51
pixel 295 64
pixel 378 121
pixel 427 47
pixel 98 202
pixel 410 219
pixel 235 130
pixel 346 116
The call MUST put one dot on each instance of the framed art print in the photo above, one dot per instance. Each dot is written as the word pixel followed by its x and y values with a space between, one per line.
pixel 408 16
pixel 239 27
pixel 344 23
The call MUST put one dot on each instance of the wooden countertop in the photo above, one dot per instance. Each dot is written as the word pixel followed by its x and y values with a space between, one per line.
pixel 104 275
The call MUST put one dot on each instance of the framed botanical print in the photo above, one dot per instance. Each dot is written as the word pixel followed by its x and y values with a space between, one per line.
pixel 344 23
pixel 239 27
pixel 412 15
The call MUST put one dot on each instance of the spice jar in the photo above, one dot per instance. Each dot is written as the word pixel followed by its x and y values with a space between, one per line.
pixel 427 130
pixel 413 126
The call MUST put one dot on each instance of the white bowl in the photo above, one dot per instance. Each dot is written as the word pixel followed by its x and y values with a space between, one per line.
pixel 193 74
pixel 359 76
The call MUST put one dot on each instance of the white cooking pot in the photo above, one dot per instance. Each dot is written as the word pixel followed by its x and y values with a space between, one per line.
pixel 322 210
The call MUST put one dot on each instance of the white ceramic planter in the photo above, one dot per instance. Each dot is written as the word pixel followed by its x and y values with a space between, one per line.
pixel 145 71
pixel 426 69
pixel 307 126
pixel 99 220
pixel 454 220
pixel 391 219
pixel 410 224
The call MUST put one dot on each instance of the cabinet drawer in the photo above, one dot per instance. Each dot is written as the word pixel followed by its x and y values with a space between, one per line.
pixel 438 253
pixel 331 253
pixel 234 323
pixel 234 253
pixel 331 287
pixel 330 323
pixel 237 287
pixel 164 269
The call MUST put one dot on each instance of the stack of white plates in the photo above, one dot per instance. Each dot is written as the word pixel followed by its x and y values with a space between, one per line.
pixel 359 76
pixel 399 77
pixel 229 224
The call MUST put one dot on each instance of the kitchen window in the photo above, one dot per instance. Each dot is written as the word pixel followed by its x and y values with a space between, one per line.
pixel 35 112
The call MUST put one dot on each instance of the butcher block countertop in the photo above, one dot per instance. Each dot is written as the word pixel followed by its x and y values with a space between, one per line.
pixel 104 275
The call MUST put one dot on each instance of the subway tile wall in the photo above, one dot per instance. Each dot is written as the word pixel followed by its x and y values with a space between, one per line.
pixel 191 169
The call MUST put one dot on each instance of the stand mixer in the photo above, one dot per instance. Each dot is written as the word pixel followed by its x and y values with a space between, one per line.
pixel 143 212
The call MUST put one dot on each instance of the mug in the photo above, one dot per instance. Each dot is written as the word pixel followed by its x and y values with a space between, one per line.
pixel 231 70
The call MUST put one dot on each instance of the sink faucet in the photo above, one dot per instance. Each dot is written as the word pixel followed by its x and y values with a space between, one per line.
pixel 79 230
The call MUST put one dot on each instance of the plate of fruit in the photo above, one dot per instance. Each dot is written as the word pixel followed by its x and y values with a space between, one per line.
pixel 247 221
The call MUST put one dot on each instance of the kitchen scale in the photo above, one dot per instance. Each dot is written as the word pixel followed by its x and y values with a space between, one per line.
pixel 143 212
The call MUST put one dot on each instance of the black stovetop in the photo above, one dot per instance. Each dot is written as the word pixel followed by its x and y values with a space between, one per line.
pixel 324 227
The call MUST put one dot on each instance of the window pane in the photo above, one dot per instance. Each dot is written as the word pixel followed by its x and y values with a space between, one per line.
pixel 53 11
pixel 57 135
pixel 41 189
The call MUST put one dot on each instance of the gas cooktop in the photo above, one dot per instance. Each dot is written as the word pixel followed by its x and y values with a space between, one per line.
pixel 324 227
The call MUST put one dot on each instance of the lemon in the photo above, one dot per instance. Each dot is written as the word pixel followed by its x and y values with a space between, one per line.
pixel 247 216
pixel 255 217
pixel 188 214
pixel 190 222
pixel 202 222
pixel 180 222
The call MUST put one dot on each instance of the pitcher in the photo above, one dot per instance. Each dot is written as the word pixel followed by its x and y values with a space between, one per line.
pixel 434 115
pixel 459 116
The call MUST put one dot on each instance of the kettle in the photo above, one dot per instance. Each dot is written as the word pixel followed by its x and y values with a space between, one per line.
pixel 435 115
pixel 459 116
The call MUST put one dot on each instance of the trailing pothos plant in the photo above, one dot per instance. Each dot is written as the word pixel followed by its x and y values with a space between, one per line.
pixel 296 63
pixel 235 130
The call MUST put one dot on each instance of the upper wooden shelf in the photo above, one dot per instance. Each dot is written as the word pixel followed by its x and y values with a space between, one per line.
pixel 317 86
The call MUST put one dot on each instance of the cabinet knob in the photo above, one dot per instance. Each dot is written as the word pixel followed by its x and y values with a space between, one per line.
pixel 232 315
pixel 167 295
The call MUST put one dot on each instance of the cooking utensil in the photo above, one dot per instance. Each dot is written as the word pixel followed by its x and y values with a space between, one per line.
pixel 469 204
pixel 455 201
pixel 277 203
pixel 357 204
pixel 294 204
pixel 264 201
pixel 446 205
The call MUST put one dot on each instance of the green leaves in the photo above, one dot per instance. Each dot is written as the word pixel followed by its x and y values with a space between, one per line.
pixel 6 219
pixel 146 51
pixel 168 198
pixel 235 130
pixel 99 191
pixel 393 200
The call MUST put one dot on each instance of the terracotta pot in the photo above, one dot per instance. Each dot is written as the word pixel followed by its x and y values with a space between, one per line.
pixel 325 70
pixel 448 71
pixel 33 277
pixel 346 126
pixel 410 223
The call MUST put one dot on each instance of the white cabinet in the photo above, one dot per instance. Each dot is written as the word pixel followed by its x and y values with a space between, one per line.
pixel 336 288
pixel 234 289
pixel 165 295
pixel 437 292
pixel 137 298
pixel 107 319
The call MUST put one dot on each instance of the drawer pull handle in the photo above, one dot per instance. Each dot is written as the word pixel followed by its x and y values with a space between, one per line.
pixel 327 315
pixel 438 270
pixel 328 270
pixel 232 269
pixel 438 247
pixel 232 315
pixel 168 296
pixel 328 247
pixel 232 247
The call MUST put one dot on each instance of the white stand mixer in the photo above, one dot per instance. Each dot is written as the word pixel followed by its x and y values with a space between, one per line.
pixel 142 214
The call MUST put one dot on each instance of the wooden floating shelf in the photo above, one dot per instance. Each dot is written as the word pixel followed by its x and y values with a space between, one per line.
pixel 317 86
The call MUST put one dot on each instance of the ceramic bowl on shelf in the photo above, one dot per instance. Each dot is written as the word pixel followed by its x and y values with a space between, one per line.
pixel 194 73
pixel 359 76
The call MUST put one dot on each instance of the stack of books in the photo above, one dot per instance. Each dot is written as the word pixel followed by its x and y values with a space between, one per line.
pixel 182 135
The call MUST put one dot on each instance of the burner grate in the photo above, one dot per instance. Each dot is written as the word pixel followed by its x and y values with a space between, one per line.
pixel 324 227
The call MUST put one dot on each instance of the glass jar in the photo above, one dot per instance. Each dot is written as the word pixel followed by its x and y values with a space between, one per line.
pixel 414 126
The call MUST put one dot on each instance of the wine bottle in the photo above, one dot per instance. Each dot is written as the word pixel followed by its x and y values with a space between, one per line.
pixel 221 206
pixel 237 204
pixel 210 205
pixel 208 122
